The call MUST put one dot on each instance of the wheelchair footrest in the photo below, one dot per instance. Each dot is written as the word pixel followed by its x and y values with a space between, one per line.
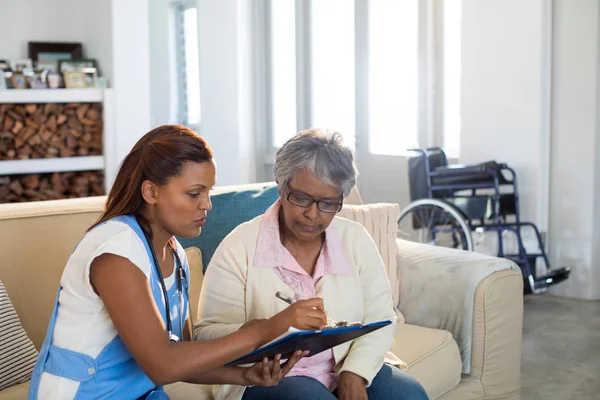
pixel 552 278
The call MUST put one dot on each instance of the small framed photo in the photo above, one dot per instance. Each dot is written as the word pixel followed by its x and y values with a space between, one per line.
pixel 76 65
pixel 91 75
pixel 18 81
pixel 50 53
pixel 75 80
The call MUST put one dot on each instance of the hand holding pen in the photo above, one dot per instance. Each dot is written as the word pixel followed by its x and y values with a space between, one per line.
pixel 291 301
pixel 303 314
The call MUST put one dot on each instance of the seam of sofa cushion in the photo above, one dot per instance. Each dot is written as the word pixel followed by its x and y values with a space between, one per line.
pixel 49 212
pixel 487 288
pixel 444 343
pixel 454 385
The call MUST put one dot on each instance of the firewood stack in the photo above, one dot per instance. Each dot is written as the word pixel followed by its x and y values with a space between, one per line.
pixel 50 130
pixel 20 188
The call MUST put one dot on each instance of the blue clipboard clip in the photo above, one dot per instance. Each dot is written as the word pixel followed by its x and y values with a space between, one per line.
pixel 315 341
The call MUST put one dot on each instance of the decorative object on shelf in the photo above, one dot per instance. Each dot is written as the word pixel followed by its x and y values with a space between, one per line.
pixel 76 65
pixel 50 130
pixel 38 79
pixel 5 65
pixel 54 80
pixel 18 81
pixel 91 76
pixel 3 85
pixel 22 65
pixel 101 82
pixel 58 185
pixel 75 80
pixel 50 53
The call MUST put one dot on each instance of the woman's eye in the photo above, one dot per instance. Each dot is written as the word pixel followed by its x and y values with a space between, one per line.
pixel 193 195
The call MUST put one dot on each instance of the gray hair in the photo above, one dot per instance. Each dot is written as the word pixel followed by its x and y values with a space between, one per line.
pixel 320 151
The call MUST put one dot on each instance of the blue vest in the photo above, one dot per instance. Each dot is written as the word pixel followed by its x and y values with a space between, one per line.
pixel 114 374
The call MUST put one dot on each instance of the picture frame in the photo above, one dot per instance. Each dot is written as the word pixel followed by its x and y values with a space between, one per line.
pixel 75 80
pixel 49 53
pixel 19 81
pixel 91 75
pixel 76 65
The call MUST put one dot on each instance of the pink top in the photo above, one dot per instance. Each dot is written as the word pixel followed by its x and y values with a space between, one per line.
pixel 271 253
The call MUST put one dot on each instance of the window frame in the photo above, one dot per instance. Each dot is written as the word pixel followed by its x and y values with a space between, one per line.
pixel 179 8
pixel 431 73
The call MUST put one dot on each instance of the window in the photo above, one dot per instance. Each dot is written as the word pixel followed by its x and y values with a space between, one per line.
pixel 188 68
pixel 332 67
pixel 283 70
pixel 392 67
pixel 393 75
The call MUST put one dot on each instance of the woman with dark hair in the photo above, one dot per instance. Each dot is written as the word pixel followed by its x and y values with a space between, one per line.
pixel 119 329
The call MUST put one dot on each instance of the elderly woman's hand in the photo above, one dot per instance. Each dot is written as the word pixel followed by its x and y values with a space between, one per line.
pixel 351 387
pixel 303 314
pixel 269 373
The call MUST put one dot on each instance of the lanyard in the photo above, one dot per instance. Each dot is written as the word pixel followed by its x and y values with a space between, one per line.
pixel 180 276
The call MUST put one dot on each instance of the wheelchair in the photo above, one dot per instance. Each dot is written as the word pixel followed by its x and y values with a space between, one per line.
pixel 449 202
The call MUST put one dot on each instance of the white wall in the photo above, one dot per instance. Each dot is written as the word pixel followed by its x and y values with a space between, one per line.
pixel 225 40
pixel 131 60
pixel 575 157
pixel 88 22
pixel 501 90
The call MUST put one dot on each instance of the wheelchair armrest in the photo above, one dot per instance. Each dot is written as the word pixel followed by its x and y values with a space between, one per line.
pixel 460 170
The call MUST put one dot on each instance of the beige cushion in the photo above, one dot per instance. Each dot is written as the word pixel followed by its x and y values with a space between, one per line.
pixel 380 220
pixel 432 357
pixel 18 392
pixel 52 228
pixel 194 256
pixel 185 391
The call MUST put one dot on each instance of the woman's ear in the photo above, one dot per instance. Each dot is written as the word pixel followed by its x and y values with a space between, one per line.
pixel 149 192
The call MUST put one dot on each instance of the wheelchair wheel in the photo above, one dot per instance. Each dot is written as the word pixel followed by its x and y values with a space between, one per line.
pixel 434 222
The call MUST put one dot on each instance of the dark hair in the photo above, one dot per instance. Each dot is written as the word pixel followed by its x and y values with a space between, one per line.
pixel 159 155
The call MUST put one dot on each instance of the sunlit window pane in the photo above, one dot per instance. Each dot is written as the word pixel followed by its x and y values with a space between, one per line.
pixel 283 70
pixel 332 67
pixel 393 75
pixel 192 69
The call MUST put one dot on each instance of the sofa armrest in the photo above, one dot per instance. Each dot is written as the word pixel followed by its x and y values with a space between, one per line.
pixel 476 297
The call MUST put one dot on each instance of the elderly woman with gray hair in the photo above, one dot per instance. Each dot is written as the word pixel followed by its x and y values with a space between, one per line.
pixel 299 247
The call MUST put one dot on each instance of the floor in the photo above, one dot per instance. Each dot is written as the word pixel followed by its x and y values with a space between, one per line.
pixel 561 349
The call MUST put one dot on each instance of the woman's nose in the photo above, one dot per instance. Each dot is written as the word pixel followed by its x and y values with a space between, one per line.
pixel 312 211
pixel 206 204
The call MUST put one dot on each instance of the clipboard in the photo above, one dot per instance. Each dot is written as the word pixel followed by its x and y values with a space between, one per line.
pixel 315 341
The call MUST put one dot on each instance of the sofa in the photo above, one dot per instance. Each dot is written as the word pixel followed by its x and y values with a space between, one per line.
pixel 36 240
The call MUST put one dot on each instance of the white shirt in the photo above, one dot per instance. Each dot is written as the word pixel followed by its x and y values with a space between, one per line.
pixel 82 322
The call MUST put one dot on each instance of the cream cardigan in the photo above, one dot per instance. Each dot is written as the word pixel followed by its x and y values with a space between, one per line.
pixel 234 291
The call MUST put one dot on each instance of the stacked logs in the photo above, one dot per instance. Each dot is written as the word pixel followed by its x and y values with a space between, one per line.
pixel 35 187
pixel 50 130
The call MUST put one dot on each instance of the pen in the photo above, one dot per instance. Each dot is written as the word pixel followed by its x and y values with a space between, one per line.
pixel 290 301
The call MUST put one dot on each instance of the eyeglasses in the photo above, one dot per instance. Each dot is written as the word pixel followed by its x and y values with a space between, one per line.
pixel 302 200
